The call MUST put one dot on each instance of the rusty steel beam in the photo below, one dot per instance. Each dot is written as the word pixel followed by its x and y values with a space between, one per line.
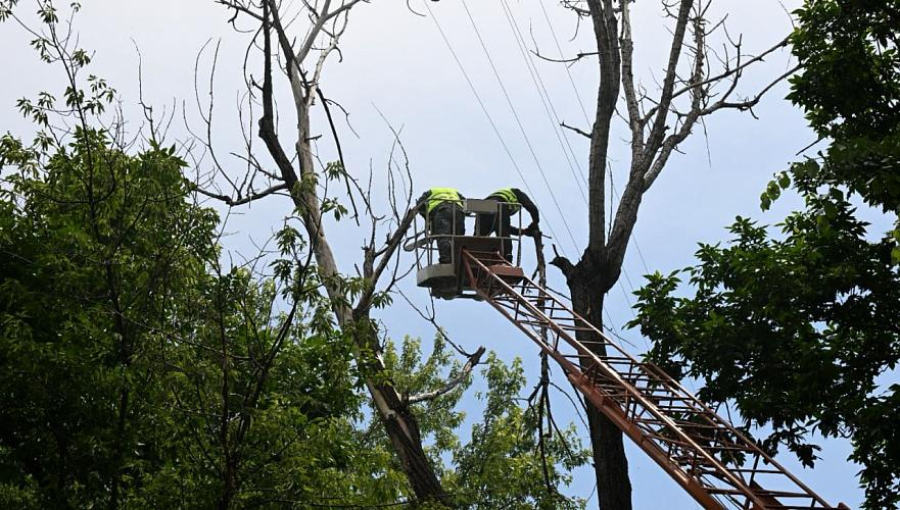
pixel 639 397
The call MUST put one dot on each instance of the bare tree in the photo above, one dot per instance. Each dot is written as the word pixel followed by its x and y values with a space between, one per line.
pixel 298 173
pixel 690 90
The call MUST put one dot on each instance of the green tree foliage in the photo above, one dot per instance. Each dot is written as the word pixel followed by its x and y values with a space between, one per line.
pixel 137 371
pixel 800 329
pixel 130 360
pixel 502 465
pixel 97 245
pixel 850 90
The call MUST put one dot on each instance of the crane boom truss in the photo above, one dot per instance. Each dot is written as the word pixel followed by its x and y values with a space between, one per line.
pixel 704 453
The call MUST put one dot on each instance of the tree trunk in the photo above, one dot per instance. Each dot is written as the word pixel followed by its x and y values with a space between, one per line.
pixel 403 430
pixel 400 425
pixel 588 290
pixel 653 139
pixel 590 279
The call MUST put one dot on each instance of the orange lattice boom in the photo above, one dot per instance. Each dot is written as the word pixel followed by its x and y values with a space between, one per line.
pixel 700 450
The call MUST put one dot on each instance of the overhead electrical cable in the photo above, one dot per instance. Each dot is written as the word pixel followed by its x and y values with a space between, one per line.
pixel 551 112
pixel 578 98
pixel 562 57
pixel 521 126
pixel 488 115
pixel 546 99
pixel 613 192
pixel 552 115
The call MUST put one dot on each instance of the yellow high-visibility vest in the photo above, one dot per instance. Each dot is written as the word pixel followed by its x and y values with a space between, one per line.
pixel 509 196
pixel 440 195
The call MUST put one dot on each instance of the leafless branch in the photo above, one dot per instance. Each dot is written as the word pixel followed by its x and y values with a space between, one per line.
pixel 725 74
pixel 575 129
pixel 576 58
pixel 232 202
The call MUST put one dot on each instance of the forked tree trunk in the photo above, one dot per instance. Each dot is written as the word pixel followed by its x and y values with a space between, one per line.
pixel 657 127
pixel 600 265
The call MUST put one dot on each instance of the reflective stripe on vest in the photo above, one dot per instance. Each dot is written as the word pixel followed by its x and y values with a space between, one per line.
pixel 441 195
pixel 509 196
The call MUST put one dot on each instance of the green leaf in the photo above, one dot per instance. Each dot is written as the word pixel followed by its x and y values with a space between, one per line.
pixel 784 180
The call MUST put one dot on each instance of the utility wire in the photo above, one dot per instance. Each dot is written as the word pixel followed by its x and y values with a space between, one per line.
pixel 521 127
pixel 546 101
pixel 562 57
pixel 542 90
pixel 628 299
pixel 612 187
pixel 552 114
pixel 536 76
pixel 549 110
pixel 489 118
pixel 640 254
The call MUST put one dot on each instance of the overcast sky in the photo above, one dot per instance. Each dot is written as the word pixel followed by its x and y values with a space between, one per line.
pixel 397 61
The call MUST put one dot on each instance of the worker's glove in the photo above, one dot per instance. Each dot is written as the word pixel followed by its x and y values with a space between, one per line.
pixel 532 230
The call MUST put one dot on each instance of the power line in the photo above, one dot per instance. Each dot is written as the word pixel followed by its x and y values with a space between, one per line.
pixel 549 107
pixel 640 254
pixel 562 57
pixel 546 101
pixel 549 110
pixel 489 118
pixel 612 188
pixel 521 127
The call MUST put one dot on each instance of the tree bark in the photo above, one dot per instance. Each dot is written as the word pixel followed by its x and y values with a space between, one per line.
pixel 400 425
pixel 590 279
pixel 588 284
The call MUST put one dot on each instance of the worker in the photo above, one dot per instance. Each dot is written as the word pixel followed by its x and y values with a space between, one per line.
pixel 511 201
pixel 444 216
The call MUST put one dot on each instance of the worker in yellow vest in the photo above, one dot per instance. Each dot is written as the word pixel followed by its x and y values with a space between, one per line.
pixel 511 201
pixel 444 216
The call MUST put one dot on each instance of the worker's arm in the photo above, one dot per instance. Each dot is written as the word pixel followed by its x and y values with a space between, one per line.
pixel 532 209
pixel 422 203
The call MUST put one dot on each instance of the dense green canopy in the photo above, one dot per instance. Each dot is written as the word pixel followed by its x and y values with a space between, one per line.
pixel 799 326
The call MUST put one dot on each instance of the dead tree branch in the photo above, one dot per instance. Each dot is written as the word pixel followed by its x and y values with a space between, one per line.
pixel 452 383
pixel 302 63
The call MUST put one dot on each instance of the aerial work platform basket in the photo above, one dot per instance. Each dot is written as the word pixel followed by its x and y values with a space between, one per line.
pixel 448 280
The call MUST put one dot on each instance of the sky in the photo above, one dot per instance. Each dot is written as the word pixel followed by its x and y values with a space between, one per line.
pixel 396 71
